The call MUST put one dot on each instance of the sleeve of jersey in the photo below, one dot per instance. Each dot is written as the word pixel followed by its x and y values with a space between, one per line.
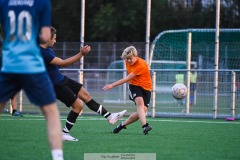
pixel 45 18
pixel 48 55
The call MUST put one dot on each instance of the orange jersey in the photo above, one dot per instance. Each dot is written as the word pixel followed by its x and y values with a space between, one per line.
pixel 140 69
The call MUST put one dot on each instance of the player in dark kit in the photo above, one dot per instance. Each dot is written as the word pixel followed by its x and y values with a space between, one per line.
pixel 70 92
pixel 22 63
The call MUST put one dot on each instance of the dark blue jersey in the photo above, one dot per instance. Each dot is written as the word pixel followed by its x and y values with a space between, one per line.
pixel 53 70
pixel 21 21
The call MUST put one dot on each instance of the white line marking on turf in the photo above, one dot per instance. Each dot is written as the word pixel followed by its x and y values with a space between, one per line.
pixel 186 121
pixel 41 118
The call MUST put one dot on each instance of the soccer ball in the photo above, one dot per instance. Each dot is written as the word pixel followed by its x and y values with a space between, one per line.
pixel 179 91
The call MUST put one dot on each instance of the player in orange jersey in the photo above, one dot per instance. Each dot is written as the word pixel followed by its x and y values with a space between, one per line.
pixel 140 86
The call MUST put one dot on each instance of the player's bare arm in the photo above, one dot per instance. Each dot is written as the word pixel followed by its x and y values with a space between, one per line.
pixel 119 82
pixel 66 62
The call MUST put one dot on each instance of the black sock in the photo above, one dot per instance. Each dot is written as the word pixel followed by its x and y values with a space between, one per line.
pixel 14 110
pixel 96 107
pixel 71 119
pixel 145 125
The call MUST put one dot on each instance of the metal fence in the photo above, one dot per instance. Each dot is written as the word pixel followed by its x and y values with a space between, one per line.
pixel 101 55
pixel 107 55
pixel 162 104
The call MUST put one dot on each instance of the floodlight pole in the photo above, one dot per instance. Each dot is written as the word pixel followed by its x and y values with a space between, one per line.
pixel 216 60
pixel 82 39
pixel 148 17
pixel 233 94
pixel 189 57
pixel 154 95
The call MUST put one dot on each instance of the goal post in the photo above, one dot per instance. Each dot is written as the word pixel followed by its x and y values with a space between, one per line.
pixel 172 45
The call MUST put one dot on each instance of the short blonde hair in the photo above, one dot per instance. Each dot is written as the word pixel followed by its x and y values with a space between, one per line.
pixel 129 52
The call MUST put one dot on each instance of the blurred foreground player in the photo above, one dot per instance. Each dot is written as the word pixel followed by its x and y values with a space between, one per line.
pixel 22 64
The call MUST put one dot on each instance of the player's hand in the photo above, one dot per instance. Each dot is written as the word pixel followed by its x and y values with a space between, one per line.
pixel 85 49
pixel 107 87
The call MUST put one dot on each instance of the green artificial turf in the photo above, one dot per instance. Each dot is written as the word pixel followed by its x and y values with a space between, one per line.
pixel 171 139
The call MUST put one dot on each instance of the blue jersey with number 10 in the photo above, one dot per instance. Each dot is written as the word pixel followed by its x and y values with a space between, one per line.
pixel 21 21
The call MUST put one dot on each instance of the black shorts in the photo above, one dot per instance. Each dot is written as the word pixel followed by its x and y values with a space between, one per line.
pixel 67 91
pixel 137 91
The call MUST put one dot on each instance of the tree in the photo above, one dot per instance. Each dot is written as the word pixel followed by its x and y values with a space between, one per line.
pixel 125 20
pixel 66 19
pixel 116 20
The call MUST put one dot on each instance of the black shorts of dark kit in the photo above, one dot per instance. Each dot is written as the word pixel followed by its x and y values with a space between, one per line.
pixel 137 91
pixel 67 91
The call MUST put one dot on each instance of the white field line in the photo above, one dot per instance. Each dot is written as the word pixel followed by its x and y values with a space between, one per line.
pixel 41 118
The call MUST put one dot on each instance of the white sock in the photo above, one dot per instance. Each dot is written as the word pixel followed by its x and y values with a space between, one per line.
pixel 57 154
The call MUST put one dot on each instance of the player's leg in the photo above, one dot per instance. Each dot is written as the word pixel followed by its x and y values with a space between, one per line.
pixel 54 129
pixel 40 92
pixel 191 93
pixel 91 103
pixel 7 88
pixel 141 111
pixel 135 117
pixel 96 107
pixel 137 95
pixel 140 114
pixel 131 119
pixel 66 95
pixel 71 120
pixel 141 98
pixel 14 103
